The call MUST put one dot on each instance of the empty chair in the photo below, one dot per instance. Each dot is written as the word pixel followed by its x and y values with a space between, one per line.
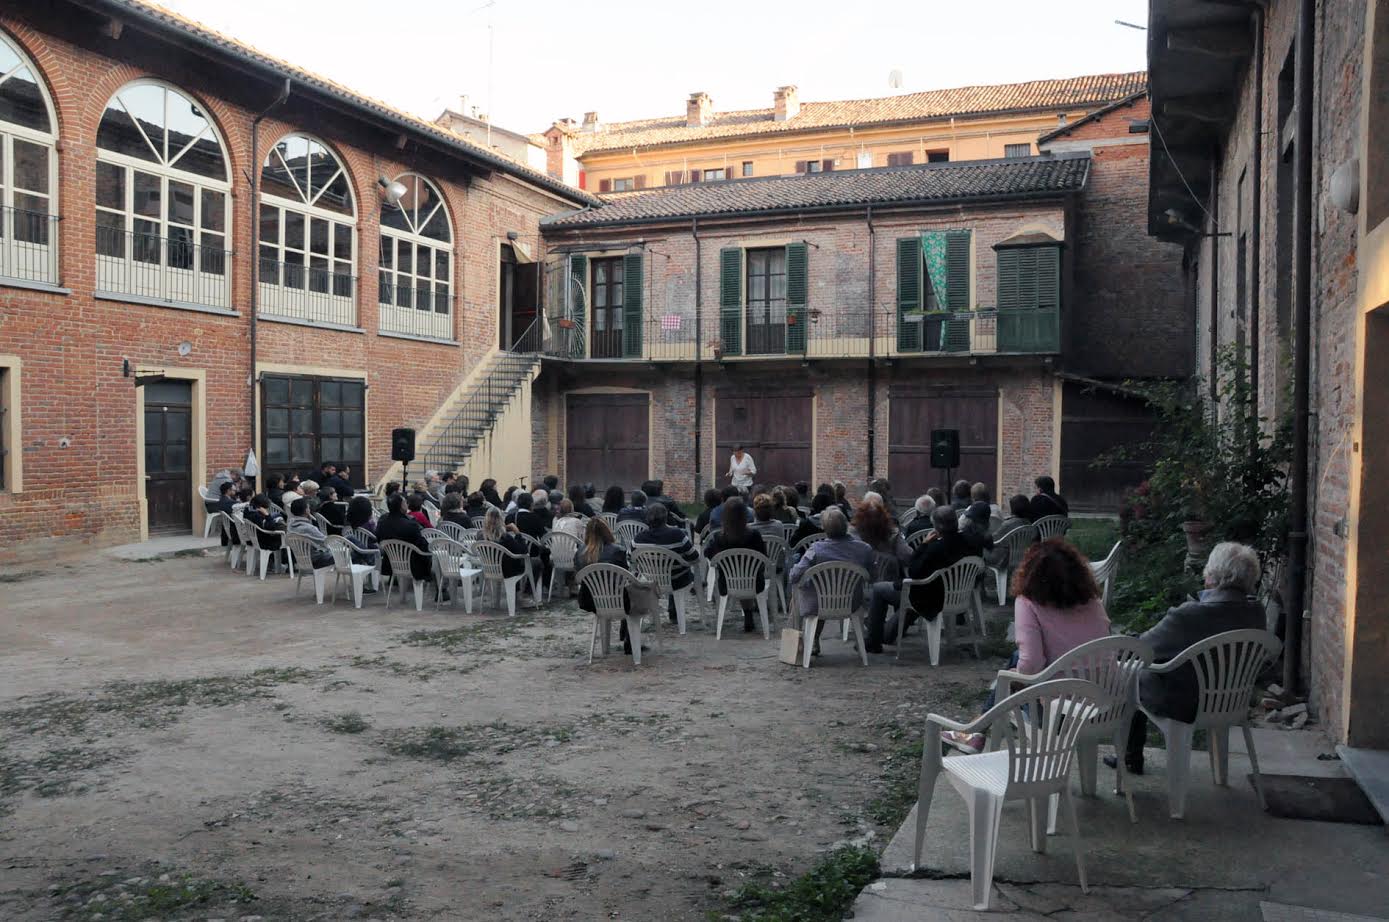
pixel 343 568
pixel 562 546
pixel 301 548
pixel 1107 571
pixel 400 553
pixel 960 584
pixel 1016 541
pixel 627 531
pixel 491 555
pixel 1226 666
pixel 657 565
pixel 740 570
pixel 839 588
pixel 211 521
pixel 607 584
pixel 1036 732
pixel 1112 663
pixel 451 565
pixel 249 549
pixel 1052 526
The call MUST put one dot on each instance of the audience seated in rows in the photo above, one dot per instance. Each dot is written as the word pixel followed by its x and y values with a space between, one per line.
pixel 717 513
pixel 661 532
pixel 601 547
pixel 838 544
pixel 924 506
pixel 579 500
pixel 497 531
pixel 636 511
pixel 475 507
pixel 415 504
pixel 540 508
pixel 712 500
pixel 397 524
pixel 569 523
pixel 734 532
pixel 959 495
pixel 614 499
pixel 948 545
pixel 655 491
pixel 979 493
pixel 488 489
pixel 762 519
pixel 452 511
pixel 783 509
pixel 1018 516
pixel 301 524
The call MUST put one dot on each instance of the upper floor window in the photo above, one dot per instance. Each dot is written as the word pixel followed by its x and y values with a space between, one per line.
pixel 1017 150
pixel 162 199
pixel 308 242
pixel 28 172
pixel 416 269
pixel 901 158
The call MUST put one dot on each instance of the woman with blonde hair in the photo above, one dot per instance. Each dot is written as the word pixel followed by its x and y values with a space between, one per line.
pixel 507 536
pixel 601 547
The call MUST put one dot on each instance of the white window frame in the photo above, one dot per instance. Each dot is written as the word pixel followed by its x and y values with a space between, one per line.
pixel 407 320
pixel 278 301
pixel 160 282
pixel 28 262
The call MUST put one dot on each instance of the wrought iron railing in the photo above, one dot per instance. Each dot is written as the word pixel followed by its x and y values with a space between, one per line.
pixel 173 269
pixel 29 245
pixel 416 311
pixel 313 295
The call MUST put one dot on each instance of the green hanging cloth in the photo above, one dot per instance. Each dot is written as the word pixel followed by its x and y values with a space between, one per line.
pixel 933 250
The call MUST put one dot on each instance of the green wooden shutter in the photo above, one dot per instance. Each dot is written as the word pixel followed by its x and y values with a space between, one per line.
pixel 731 300
pixel 1009 294
pixel 1029 299
pixel 797 290
pixel 1049 278
pixel 578 304
pixel 908 293
pixel 955 337
pixel 631 305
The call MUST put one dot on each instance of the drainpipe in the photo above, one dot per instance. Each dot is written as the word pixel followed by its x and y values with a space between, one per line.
pixel 699 366
pixel 1302 348
pixel 1256 212
pixel 1215 271
pixel 255 239
pixel 872 365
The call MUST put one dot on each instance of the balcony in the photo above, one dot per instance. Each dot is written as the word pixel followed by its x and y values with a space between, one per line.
pixel 805 334
pixel 314 296
pixel 162 270
pixel 424 313
pixel 28 246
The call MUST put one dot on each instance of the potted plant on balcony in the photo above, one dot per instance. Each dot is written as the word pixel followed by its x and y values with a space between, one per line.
pixel 566 323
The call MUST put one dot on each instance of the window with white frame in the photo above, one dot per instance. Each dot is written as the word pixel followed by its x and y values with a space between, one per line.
pixel 28 172
pixel 162 200
pixel 308 245
pixel 416 269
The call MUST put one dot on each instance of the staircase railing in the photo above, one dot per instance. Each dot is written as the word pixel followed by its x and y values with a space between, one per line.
pixel 453 444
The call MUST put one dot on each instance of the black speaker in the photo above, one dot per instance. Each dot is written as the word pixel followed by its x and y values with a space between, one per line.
pixel 945 448
pixel 403 445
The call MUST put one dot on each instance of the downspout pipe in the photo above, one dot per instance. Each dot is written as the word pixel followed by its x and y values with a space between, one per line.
pixel 699 365
pixel 254 238
pixel 1214 377
pixel 1302 349
pixel 872 336
pixel 1256 212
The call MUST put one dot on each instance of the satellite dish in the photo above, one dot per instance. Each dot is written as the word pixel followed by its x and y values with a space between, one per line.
pixel 894 78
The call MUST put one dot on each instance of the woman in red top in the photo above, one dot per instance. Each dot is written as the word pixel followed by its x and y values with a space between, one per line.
pixel 415 502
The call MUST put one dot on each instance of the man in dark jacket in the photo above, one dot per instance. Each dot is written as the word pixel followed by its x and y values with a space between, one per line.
pixel 636 512
pixel 655 491
pixel 1047 501
pixel 948 546
pixel 340 483
pixel 1226 604
pixel 530 523
pixel 396 525
pixel 660 532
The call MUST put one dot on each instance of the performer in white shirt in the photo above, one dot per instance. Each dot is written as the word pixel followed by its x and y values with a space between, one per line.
pixel 741 469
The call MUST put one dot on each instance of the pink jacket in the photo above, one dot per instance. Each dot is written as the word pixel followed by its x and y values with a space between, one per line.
pixel 1045 633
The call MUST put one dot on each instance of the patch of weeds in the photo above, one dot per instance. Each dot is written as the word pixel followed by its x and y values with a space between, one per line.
pixel 422 672
pixel 153 896
pixel 445 744
pixel 52 774
pixel 350 722
pixel 900 774
pixel 822 894
pixel 441 744
pixel 471 636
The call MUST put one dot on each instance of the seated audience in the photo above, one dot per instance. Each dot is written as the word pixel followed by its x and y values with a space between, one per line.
pixel 360 516
pixel 415 503
pixel 530 523
pixel 601 547
pixel 310 490
pixel 301 524
pixel 475 508
pixel 1018 507
pixel 873 526
pixel 802 497
pixel 488 489
pixel 636 512
pixel 841 497
pixel 762 519
pixel 613 499
pixel 579 500
pixel 275 489
pixel 567 522
pixel 226 498
pixel 1047 501
pixel 924 506
pixel 716 514
pixel 259 514
pixel 540 508
pixel 399 525
pixel 979 493
pixel 1057 609
pixel 550 482
pixel 660 532
pixel 452 511
pixel 509 501
pixel 883 488
pixel 959 495
pixel 937 496
pixel 494 530
pixel 340 482
pixel 656 490
pixel 974 528
pixel 782 510
pixel 333 509
pixel 941 550
pixel 712 499
pixel 735 533
pixel 838 544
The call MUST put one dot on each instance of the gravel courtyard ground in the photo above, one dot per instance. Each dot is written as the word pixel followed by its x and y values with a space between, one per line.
pixel 181 742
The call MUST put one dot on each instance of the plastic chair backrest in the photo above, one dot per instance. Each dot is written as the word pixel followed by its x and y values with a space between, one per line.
pixel 1106 568
pixel 563 546
pixel 362 536
pixel 342 552
pixel 448 554
pixel 808 540
pixel 322 523
pixel 838 587
pixel 257 531
pixel 740 569
pixel 452 530
pixel 607 584
pixel 1017 540
pixel 788 530
pixel 627 531
pixel 656 564
pixel 278 509
pixel 301 546
pixel 611 519
pixel 1039 727
pixel 958 580
pixel 916 538
pixel 1227 665
pixel 776 550
pixel 230 529
pixel 399 553
pixel 431 533
pixel 490 555
pixel 907 517
pixel 1052 526
pixel 1112 663
pixel 247 532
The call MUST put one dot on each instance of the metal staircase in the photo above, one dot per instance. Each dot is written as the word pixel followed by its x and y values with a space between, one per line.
pixel 450 446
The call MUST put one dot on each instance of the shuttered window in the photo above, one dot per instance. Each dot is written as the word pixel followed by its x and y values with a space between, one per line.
pixel 933 279
pixel 731 300
pixel 1029 277
pixel 797 292
pixel 631 305
pixel 900 158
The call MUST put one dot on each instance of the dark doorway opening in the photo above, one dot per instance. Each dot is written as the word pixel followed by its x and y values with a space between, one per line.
pixel 168 457
pixel 519 292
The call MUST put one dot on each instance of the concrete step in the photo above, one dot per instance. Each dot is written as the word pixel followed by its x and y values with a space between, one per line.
pixel 1370 769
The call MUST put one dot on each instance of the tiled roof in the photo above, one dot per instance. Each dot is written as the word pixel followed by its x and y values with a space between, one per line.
pixel 925 184
pixel 1064 93
pixel 150 14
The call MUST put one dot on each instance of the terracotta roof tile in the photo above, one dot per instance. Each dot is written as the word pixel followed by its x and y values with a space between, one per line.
pixel 926 183
pixel 1064 93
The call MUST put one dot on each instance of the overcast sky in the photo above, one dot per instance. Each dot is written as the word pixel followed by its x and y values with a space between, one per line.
pixel 629 59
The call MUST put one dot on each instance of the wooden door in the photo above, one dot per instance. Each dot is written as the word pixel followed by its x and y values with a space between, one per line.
pixel 168 456
pixel 912 416
pixel 774 428
pixel 607 440
pixel 606 322
pixel 1095 423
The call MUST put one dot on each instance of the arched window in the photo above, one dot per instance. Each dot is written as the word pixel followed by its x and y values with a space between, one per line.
pixel 162 199
pixel 416 271
pixel 307 236
pixel 28 172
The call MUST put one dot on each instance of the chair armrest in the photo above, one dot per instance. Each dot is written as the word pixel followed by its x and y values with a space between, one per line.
pixel 945 723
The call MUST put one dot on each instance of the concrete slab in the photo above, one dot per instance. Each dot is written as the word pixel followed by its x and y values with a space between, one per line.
pixel 1292 752
pixel 1370 769
pixel 167 546
pixel 1282 912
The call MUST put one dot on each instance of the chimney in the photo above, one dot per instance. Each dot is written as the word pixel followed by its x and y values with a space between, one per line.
pixel 591 122
pixel 788 102
pixel 698 110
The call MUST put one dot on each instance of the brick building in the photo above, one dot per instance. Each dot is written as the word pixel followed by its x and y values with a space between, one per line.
pixel 127 155
pixel 1265 167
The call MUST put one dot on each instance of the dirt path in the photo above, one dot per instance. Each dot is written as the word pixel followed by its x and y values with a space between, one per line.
pixel 180 742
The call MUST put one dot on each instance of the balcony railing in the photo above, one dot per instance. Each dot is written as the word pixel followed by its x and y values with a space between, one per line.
pixel 315 296
pixel 423 311
pixel 172 269
pixel 806 333
pixel 28 245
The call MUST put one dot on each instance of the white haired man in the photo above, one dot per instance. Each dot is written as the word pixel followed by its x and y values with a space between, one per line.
pixel 924 506
pixel 1226 604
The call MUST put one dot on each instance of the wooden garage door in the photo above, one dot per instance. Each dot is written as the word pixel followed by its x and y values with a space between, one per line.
pixel 911 417
pixel 774 429
pixel 607 440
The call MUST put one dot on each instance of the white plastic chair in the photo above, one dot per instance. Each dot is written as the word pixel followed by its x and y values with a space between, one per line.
pixel 1017 541
pixel 627 531
pixel 431 533
pixel 917 538
pixel 400 553
pixel 278 510
pixel 452 530
pixel 490 555
pixel 563 547
pixel 211 518
pixel 777 554
pixel 657 565
pixel 231 530
pixel 1226 666
pixel 607 584
pixel 452 567
pixel 343 568
pixel 263 554
pixel 301 549
pixel 1052 526
pixel 611 519
pixel 807 541
pixel 1107 570
pixel 840 588
pixel 740 568
pixel 1112 663
pixel 1037 729
pixel 960 582
pixel 907 518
